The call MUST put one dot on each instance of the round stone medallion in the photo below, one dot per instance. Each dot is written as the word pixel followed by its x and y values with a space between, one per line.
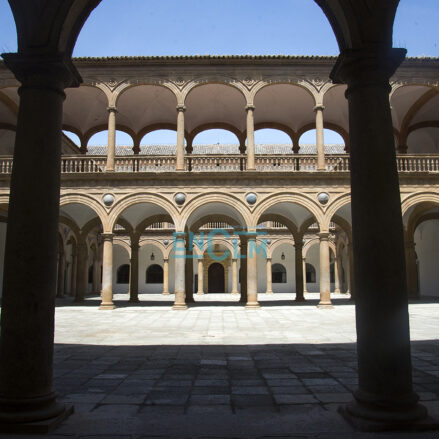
pixel 166 242
pixel 323 198
pixel 108 200
pixel 180 198
pixel 251 198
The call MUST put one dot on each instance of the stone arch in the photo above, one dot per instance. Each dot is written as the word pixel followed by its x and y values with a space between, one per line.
pixel 334 206
pixel 87 200
pixel 277 243
pixel 133 199
pixel 151 82
pixel 119 241
pixel 211 80
pixel 166 250
pixel 232 202
pixel 98 129
pixel 301 84
pixel 417 198
pixel 292 198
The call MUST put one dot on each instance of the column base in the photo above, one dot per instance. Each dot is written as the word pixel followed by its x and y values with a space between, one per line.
pixel 179 306
pixel 325 305
pixel 269 292
pixel 32 415
pixel 300 299
pixel 107 306
pixel 134 300
pixel 234 293
pixel 252 305
pixel 165 293
pixel 337 291
pixel 388 416
pixel 200 293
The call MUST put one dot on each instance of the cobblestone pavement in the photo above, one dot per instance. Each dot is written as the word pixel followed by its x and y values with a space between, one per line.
pixel 220 371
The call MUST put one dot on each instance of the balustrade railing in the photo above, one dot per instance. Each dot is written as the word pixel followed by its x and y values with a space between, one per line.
pixel 80 164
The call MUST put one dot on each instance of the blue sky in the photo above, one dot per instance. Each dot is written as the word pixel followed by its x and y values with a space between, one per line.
pixel 158 27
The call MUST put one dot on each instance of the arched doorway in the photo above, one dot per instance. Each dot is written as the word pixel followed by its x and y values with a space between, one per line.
pixel 215 277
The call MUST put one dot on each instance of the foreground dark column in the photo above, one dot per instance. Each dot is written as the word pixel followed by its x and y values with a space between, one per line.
pixel 299 272
pixel 27 321
pixel 385 398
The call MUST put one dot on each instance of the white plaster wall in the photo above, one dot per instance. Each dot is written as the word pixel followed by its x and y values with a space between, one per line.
pixel 145 261
pixel 313 258
pixel 120 257
pixel 3 227
pixel 427 249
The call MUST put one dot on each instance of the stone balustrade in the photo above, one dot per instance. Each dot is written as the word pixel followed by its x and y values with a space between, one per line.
pixel 227 163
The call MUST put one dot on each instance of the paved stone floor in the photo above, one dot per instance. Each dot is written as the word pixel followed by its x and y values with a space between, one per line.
pixel 220 371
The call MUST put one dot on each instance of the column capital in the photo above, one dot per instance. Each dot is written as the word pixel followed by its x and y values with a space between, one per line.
pixel 181 108
pixel 134 247
pixel 112 109
pixel 250 108
pixel 367 67
pixel 165 259
pixel 48 72
pixel 107 236
pixel 268 258
pixel 319 107
pixel 323 236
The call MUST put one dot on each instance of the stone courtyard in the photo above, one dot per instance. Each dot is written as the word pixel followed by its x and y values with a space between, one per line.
pixel 218 370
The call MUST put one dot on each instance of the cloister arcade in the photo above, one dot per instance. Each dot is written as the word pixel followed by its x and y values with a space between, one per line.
pixel 104 207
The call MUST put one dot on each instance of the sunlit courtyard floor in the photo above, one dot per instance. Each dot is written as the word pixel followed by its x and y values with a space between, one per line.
pixel 218 370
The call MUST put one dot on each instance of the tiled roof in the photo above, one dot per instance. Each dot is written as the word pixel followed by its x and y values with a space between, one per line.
pixel 224 57
pixel 215 149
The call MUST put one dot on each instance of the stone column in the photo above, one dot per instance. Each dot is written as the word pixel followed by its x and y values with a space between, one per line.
pixel 298 267
pixel 111 149
pixel 180 137
pixel 165 276
pixel 200 275
pixel 250 138
pixel 304 276
pixel 189 274
pixel 134 271
pixel 252 273
pixel 325 278
pixel 320 139
pixel 81 271
pixel 385 396
pixel 29 281
pixel 235 276
pixel 96 275
pixel 269 278
pixel 107 272
pixel 180 264
pixel 337 266
pixel 350 269
pixel 61 275
pixel 412 272
pixel 243 256
pixel 74 272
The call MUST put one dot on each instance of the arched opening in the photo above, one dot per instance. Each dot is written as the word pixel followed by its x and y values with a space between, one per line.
pixel 215 141
pixel 159 142
pixel 272 141
pixel 334 142
pixel 97 144
pixel 123 274
pixel 311 277
pixel 216 278
pixel 278 274
pixel 154 274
